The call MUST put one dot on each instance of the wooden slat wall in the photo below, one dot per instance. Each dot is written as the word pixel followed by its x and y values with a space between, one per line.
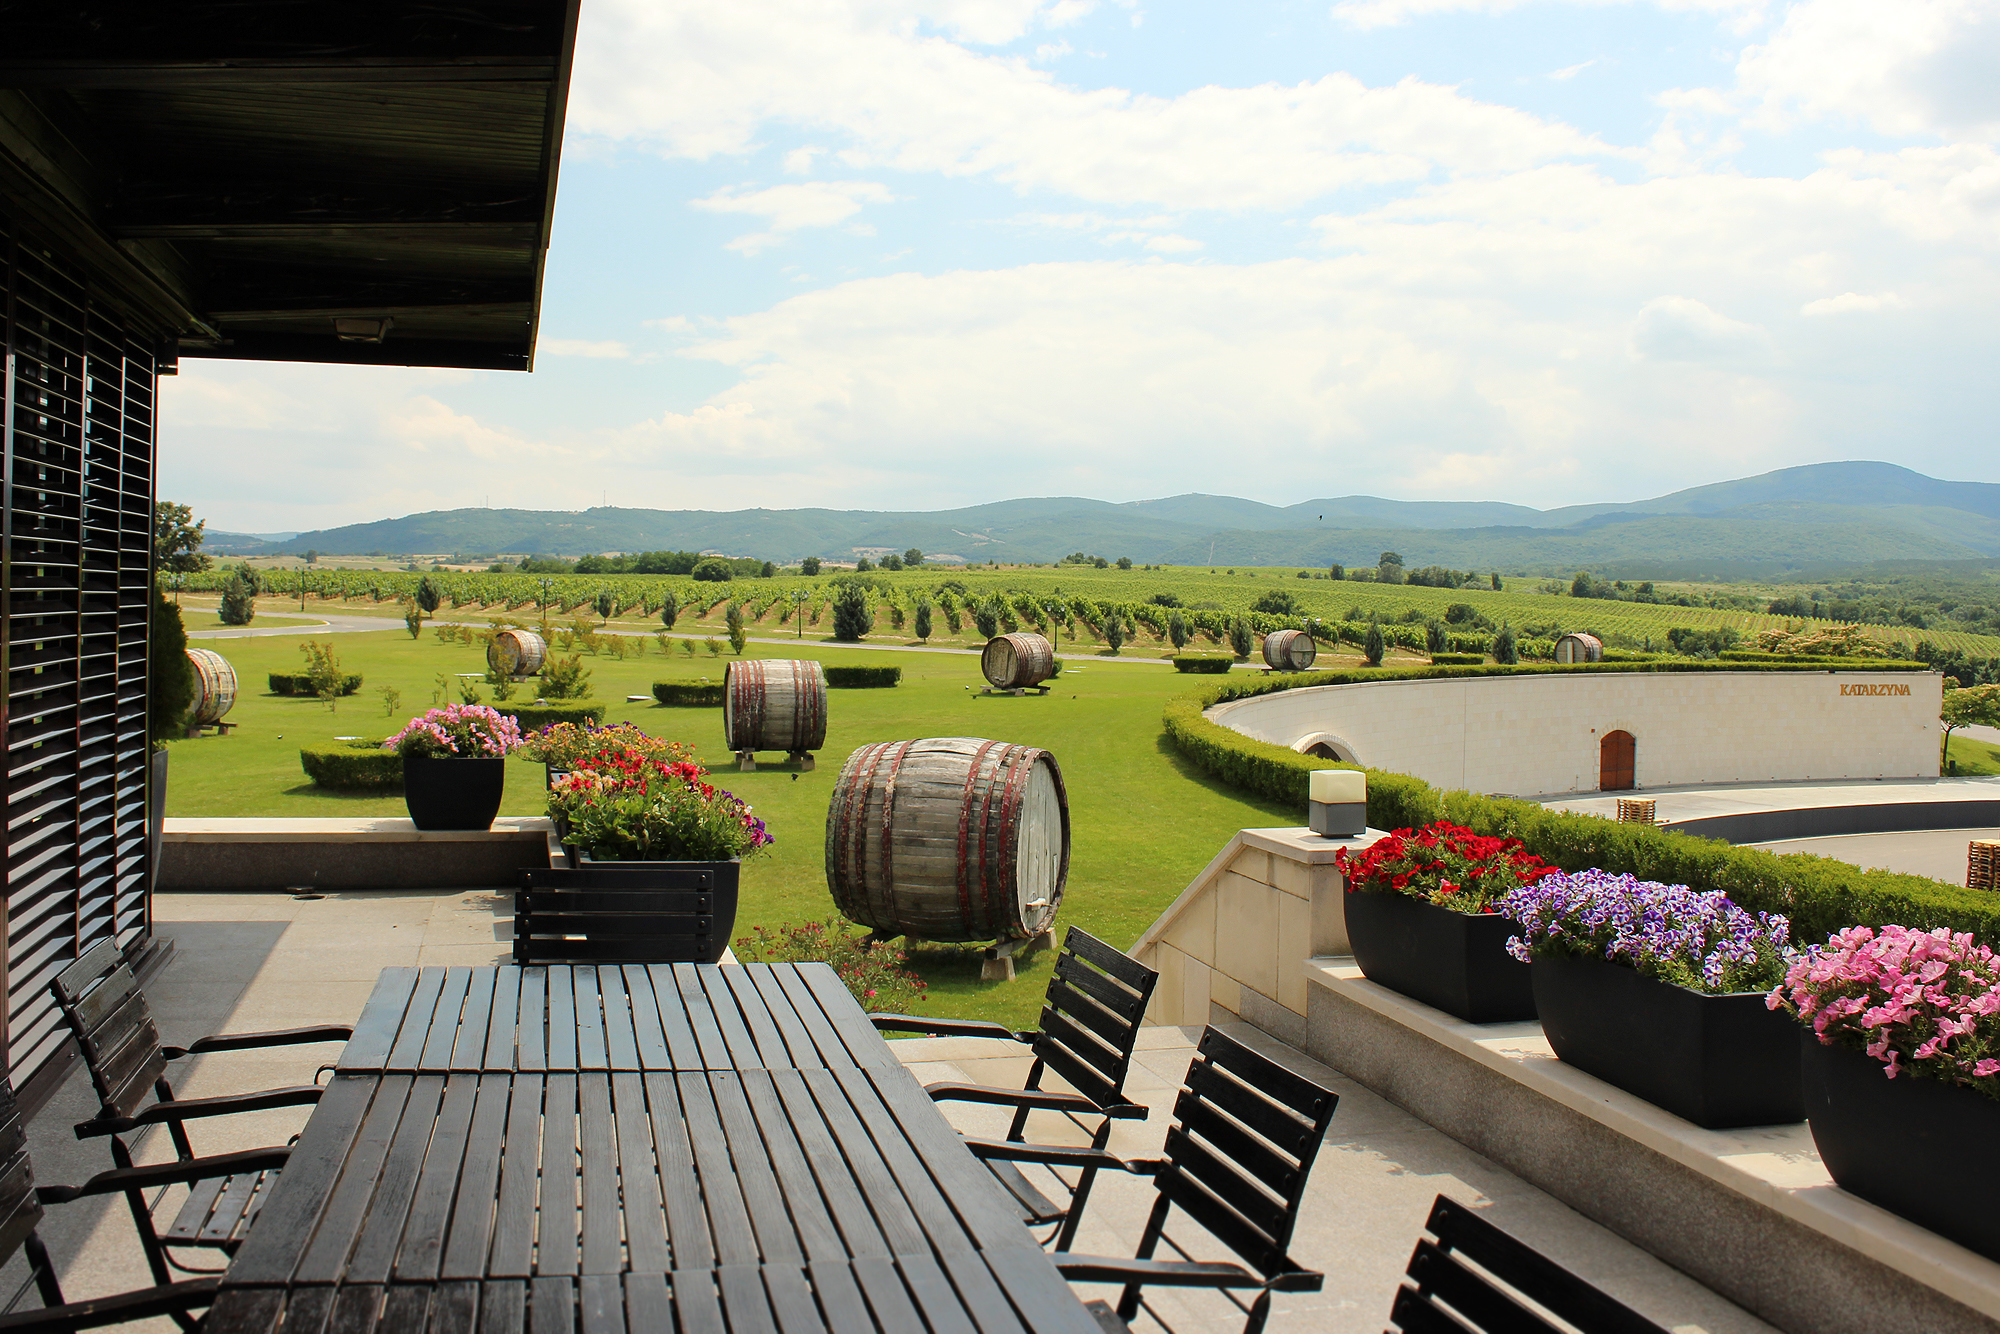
pixel 78 429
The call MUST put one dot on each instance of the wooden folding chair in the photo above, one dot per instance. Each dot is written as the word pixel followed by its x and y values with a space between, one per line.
pixel 618 914
pixel 1506 1289
pixel 114 1029
pixel 1246 1131
pixel 1095 1005
pixel 21 1204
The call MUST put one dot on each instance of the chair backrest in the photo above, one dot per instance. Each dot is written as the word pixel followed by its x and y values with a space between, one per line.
pixel 20 1210
pixel 1439 1280
pixel 106 1011
pixel 1096 1001
pixel 616 915
pixel 1246 1131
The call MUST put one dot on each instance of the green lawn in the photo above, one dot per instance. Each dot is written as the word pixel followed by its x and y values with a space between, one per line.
pixel 1974 757
pixel 202 618
pixel 1143 823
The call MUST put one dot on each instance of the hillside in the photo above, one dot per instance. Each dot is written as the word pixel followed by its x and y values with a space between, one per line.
pixel 1818 516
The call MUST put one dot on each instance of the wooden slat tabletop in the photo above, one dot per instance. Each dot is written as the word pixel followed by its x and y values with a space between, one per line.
pixel 603 1148
pixel 569 1019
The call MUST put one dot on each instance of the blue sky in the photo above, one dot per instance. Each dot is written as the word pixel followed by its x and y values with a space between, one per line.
pixel 865 254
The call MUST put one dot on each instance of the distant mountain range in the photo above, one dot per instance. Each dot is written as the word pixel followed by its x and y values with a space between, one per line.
pixel 1824 515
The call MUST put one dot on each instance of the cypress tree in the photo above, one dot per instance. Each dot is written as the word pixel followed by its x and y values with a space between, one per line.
pixel 1177 631
pixel 1504 649
pixel 670 609
pixel 1373 646
pixel 1240 642
pixel 923 626
pixel 851 619
pixel 733 618
pixel 239 602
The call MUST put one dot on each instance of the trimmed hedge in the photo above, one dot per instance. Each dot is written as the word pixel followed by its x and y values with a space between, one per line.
pixel 534 717
pixel 862 678
pixel 1203 664
pixel 1457 659
pixel 1819 895
pixel 689 694
pixel 352 764
pixel 1802 660
pixel 298 683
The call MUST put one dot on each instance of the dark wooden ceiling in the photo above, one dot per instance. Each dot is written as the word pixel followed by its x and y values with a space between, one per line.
pixel 249 171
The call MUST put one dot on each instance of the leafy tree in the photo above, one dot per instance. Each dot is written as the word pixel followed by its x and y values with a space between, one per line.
pixel 1434 639
pixel 1240 642
pixel 175 539
pixel 1389 568
pixel 986 617
pixel 1114 631
pixel 1461 613
pixel 670 608
pixel 923 625
pixel 738 636
pixel 913 559
pixel 1969 706
pixel 568 678
pixel 1277 602
pixel 851 618
pixel 239 604
pixel 1373 646
pixel 1177 631
pixel 892 561
pixel 323 671
pixel 1505 651
pixel 713 571
pixel 170 678
pixel 1584 586
pixel 429 593
pixel 1336 571
pixel 413 618
pixel 863 566
pixel 1495 576
pixel 604 604
pixel 770 571
pixel 312 556
pixel 1100 562
pixel 810 565
pixel 1124 562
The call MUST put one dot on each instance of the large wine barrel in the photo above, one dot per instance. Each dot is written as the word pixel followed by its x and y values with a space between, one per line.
pixel 1013 661
pixel 516 653
pixel 214 686
pixel 1290 650
pixel 950 838
pixel 774 704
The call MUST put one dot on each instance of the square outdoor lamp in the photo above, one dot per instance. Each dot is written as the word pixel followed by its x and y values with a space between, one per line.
pixel 1337 802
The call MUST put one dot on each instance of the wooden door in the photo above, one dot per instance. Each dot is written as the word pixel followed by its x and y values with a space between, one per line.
pixel 1614 762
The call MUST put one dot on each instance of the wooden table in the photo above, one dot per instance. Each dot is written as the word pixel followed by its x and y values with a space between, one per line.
pixel 656 1148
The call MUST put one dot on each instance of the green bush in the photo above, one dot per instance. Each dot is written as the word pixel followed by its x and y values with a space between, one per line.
pixel 1801 660
pixel 1818 894
pixel 170 677
pixel 300 683
pixel 862 678
pixel 534 717
pixel 702 694
pixel 352 764
pixel 851 618
pixel 1202 663
pixel 1457 659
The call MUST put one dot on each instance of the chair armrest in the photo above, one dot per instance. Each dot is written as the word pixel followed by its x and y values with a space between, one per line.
pixel 947 1028
pixel 282 1037
pixel 167 1174
pixel 189 1109
pixel 1061 1155
pixel 1039 1099
pixel 1180 1274
pixel 126 1306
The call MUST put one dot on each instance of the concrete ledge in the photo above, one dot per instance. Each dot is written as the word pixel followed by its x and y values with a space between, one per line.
pixel 364 853
pixel 1751 1213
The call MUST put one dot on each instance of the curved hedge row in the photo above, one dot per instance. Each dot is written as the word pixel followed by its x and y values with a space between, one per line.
pixel 1819 895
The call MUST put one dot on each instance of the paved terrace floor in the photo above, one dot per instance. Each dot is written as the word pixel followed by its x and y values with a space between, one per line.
pixel 248 961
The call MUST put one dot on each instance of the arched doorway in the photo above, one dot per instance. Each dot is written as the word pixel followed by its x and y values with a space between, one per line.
pixel 1614 762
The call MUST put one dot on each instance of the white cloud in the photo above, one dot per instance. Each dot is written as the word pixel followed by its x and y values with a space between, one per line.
pixel 1171 244
pixel 788 208
pixel 1568 72
pixel 1849 302
pixel 1678 328
pixel 1913 68
pixel 699 81
pixel 1365 14
pixel 582 347
pixel 1048 51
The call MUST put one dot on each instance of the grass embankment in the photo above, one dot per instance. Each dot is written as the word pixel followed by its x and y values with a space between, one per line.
pixel 1973 756
pixel 1143 821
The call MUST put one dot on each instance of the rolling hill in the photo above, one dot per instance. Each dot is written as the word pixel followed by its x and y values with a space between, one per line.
pixel 1818 516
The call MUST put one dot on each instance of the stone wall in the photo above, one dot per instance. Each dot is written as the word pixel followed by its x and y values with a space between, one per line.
pixel 1539 735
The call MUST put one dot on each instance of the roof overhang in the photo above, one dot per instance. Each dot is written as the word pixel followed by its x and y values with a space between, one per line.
pixel 363 182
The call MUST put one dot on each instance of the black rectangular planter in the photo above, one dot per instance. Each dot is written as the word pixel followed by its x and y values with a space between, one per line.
pixel 1919 1147
pixel 651 911
pixel 1718 1061
pixel 1452 961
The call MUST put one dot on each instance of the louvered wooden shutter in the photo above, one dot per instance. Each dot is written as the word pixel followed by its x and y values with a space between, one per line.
pixel 78 428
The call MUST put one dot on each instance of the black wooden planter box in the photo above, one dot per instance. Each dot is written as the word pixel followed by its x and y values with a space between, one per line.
pixel 1455 962
pixel 630 912
pixel 1718 1061
pixel 1921 1148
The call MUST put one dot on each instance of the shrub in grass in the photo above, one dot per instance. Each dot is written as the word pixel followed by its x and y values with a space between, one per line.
pixel 170 677
pixel 566 678
pixel 352 765
pixel 1202 663
pixel 1240 642
pixel 239 602
pixel 701 694
pixel 301 683
pixel 862 678
pixel 534 717
pixel 1457 659
pixel 874 973
pixel 851 619
pixel 1372 647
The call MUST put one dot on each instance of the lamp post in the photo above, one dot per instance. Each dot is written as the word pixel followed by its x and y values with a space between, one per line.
pixel 799 611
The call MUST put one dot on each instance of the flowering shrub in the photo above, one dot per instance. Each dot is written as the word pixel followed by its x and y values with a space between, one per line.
pixel 1696 940
pixel 1917 1001
pixel 576 746
pixel 874 973
pixel 464 731
pixel 1444 864
pixel 624 805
